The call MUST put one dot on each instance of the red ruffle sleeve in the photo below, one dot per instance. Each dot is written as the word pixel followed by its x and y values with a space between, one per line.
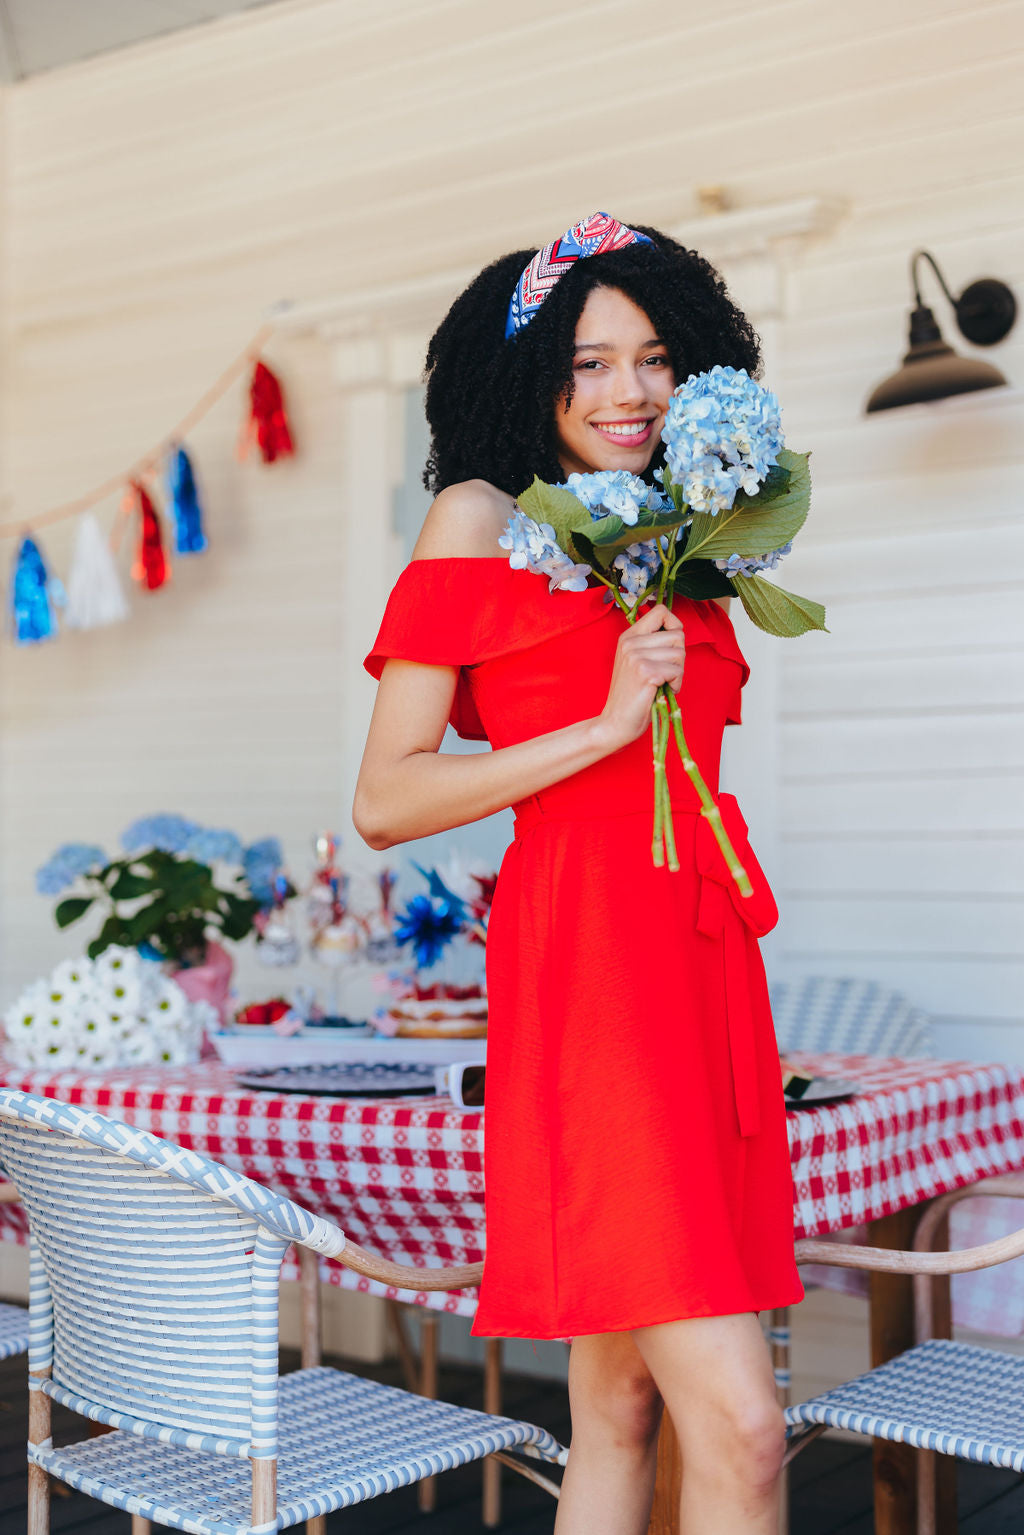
pixel 461 610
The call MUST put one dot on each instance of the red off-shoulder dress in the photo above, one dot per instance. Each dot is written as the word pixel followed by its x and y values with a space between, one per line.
pixel 636 1163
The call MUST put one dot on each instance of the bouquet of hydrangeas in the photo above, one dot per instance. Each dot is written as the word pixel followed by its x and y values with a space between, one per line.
pixel 729 502
pixel 115 1010
pixel 178 885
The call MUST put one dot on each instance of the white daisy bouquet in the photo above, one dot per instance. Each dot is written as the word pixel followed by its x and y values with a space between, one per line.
pixel 115 1010
pixel 728 504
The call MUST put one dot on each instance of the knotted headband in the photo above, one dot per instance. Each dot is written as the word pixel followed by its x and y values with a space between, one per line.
pixel 593 236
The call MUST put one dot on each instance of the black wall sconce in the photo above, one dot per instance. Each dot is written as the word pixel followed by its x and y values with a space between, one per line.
pixel 985 312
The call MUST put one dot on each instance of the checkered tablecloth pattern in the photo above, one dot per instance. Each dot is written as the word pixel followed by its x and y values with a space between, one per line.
pixel 404 1178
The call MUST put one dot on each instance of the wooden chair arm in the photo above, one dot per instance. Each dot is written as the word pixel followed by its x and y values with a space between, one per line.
pixel 407 1276
pixel 1002 1186
pixel 401 1276
pixel 893 1261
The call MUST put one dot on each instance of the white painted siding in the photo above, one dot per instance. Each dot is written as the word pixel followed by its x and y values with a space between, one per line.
pixel 158 199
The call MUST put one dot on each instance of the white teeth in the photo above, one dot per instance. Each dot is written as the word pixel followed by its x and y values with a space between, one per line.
pixel 628 429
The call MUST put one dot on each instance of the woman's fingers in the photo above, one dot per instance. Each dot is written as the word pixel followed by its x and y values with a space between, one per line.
pixel 658 617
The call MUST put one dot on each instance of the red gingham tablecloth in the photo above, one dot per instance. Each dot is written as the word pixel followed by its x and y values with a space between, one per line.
pixel 404 1178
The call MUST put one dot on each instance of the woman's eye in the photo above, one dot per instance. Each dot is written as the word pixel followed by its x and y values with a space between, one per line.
pixel 591 364
pixel 663 361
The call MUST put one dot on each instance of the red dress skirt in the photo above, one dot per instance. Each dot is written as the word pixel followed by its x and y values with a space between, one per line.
pixel 636 1162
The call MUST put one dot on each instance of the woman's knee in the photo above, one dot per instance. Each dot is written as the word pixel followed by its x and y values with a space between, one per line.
pixel 752 1434
pixel 613 1395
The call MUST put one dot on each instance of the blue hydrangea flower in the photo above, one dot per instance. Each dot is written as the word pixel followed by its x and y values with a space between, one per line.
pixel 210 846
pixel 616 492
pixel 70 861
pixel 722 434
pixel 736 565
pixel 639 567
pixel 168 833
pixel 534 546
pixel 429 924
pixel 261 863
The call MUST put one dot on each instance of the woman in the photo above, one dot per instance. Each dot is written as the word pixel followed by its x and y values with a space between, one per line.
pixel 639 1197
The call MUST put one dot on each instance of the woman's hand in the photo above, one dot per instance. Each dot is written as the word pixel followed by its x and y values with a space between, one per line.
pixel 650 652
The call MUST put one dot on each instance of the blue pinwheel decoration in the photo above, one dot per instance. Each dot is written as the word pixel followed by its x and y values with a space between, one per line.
pixel 430 922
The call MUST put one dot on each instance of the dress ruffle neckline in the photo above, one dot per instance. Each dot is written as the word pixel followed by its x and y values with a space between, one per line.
pixel 464 610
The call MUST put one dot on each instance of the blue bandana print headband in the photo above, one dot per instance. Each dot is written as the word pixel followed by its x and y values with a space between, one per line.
pixel 593 236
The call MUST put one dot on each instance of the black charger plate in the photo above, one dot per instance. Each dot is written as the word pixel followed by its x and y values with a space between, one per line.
pixel 356 1079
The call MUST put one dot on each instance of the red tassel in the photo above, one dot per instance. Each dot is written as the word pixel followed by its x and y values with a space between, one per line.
pixel 151 569
pixel 267 424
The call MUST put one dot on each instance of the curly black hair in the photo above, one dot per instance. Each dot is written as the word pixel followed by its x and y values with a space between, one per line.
pixel 490 401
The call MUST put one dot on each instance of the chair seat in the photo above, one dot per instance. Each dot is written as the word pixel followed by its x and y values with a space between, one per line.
pixel 13 1331
pixel 343 1439
pixel 950 1397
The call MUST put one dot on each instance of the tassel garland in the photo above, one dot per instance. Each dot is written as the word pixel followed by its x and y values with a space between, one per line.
pixel 95 595
pixel 150 569
pixel 189 537
pixel 34 594
pixel 267 425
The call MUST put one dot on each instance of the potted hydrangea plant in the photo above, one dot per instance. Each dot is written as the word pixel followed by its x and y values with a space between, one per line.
pixel 178 889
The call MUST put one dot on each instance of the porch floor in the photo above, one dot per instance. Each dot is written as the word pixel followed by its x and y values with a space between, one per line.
pixel 830 1483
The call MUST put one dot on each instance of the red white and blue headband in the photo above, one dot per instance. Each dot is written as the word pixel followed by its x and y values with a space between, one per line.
pixel 593 236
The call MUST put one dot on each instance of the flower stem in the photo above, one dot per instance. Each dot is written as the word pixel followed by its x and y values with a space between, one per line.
pixel 659 737
pixel 709 810
pixel 668 829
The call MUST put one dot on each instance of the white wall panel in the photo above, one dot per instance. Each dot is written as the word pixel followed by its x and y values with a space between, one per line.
pixel 159 199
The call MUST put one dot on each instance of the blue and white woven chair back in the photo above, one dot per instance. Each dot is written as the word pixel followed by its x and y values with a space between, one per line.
pixel 154 1277
pixel 848 1016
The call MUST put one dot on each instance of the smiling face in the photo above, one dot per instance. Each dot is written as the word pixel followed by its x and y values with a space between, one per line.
pixel 622 381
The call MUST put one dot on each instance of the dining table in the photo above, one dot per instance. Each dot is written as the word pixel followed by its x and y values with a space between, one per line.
pixel 404 1177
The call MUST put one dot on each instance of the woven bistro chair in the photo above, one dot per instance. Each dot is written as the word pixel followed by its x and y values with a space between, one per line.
pixel 943 1397
pixel 849 1017
pixel 13 1319
pixel 153 1309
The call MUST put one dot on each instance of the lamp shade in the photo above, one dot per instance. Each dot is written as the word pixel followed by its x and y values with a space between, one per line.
pixel 931 370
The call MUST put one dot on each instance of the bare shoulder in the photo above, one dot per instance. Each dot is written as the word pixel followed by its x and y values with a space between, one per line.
pixel 464 520
pixel 723 602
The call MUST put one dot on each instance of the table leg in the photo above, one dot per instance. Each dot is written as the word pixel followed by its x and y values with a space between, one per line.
pixel 493 1350
pixel 892 1332
pixel 311 1330
pixel 427 1492
pixel 668 1483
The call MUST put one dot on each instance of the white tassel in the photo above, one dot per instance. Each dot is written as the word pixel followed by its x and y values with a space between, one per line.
pixel 94 589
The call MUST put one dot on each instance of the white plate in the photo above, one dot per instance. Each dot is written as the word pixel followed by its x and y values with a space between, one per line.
pixel 260 1046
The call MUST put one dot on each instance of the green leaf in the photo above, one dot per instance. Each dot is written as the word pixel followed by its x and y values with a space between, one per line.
pixel 701 579
pixel 776 482
pixel 128 886
pixel 671 489
pixel 149 919
pixel 568 517
pixel 237 922
pixel 70 910
pixel 755 525
pixel 114 930
pixel 553 504
pixel 611 534
pixel 775 610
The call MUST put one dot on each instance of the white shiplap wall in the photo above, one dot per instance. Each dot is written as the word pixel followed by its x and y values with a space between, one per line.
pixel 158 199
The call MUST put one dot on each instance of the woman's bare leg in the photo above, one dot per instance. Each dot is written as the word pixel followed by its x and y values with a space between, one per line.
pixel 715 1376
pixel 608 1485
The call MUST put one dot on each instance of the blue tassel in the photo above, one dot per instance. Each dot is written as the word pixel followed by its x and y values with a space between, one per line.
pixel 33 595
pixel 184 499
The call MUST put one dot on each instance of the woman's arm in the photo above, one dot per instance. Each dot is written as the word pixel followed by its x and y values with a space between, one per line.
pixel 407 788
